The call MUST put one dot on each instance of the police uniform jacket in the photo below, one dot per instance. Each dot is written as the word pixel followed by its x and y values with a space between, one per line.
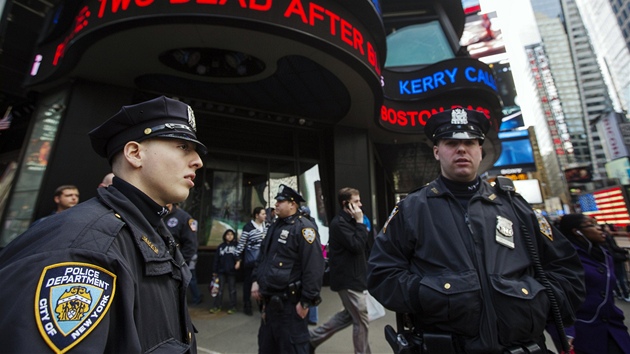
pixel 291 253
pixel 347 253
pixel 442 263
pixel 96 278
pixel 182 226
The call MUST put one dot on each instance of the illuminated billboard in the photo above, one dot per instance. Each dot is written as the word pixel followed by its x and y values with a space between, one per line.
pixel 517 153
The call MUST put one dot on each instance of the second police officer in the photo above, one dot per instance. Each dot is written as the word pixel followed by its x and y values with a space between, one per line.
pixel 459 255
pixel 288 277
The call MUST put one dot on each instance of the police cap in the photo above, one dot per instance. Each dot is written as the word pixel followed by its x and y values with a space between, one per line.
pixel 287 193
pixel 160 117
pixel 457 123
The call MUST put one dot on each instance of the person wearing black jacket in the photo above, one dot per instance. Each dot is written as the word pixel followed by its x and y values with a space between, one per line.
pixel 347 257
pixel 454 256
pixel 184 230
pixel 106 276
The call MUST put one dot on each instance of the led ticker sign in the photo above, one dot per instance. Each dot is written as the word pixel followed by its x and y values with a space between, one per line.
pixel 548 93
pixel 353 26
pixel 439 78
pixel 411 117
pixel 411 97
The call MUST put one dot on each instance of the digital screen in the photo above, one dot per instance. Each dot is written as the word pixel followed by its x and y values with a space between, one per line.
pixel 530 190
pixel 578 174
pixel 512 123
pixel 516 149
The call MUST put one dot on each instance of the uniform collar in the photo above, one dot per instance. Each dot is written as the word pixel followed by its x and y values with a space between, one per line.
pixel 290 219
pixel 437 188
pixel 151 210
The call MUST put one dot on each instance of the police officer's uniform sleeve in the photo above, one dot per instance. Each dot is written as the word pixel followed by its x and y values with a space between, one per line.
pixel 66 299
pixel 312 262
pixel 390 280
pixel 562 267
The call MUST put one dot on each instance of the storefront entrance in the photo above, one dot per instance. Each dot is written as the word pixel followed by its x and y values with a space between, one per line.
pixel 230 186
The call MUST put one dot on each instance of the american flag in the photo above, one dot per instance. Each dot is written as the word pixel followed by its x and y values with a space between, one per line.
pixel 606 206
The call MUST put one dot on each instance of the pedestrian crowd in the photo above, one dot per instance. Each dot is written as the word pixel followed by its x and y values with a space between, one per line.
pixel 467 265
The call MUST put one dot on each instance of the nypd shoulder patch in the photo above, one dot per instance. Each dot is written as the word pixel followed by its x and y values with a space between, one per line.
pixel 71 299
pixel 544 226
pixel 192 223
pixel 391 216
pixel 309 234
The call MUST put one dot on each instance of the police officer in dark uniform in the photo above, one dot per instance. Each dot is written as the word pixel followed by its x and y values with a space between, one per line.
pixel 288 277
pixel 470 265
pixel 106 276
pixel 184 230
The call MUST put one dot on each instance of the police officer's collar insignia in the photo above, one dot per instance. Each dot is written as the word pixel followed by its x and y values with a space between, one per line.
pixel 172 222
pixel 459 116
pixel 191 119
pixel 309 234
pixel 435 190
pixel 391 216
pixel 545 228
pixel 71 300
pixel 492 196
pixel 504 232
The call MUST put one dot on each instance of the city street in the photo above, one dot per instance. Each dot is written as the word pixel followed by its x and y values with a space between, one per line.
pixel 237 333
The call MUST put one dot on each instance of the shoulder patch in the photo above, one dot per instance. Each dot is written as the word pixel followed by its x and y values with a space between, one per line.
pixel 71 300
pixel 309 234
pixel 545 228
pixel 391 216
pixel 192 223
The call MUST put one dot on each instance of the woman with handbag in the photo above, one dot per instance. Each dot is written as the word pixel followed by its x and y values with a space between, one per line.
pixel 248 250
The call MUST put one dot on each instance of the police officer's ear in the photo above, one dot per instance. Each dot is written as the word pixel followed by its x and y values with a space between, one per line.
pixel 435 151
pixel 132 153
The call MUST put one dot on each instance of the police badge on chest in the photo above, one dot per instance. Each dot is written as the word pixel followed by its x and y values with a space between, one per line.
pixel 504 232
pixel 283 236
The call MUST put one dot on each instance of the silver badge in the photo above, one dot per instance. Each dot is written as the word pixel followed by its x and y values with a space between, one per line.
pixel 459 116
pixel 505 232
pixel 191 119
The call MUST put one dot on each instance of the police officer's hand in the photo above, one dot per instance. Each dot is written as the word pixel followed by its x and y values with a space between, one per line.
pixel 237 265
pixel 255 293
pixel 301 311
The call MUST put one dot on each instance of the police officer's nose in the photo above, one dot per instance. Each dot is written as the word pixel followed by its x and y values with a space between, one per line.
pixel 197 163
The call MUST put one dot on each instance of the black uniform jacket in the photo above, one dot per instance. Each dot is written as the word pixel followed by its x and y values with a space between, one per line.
pixel 347 253
pixel 290 253
pixel 183 228
pixel 96 278
pixel 454 270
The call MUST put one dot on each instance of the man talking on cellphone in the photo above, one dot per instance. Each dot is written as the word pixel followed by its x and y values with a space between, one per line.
pixel 347 256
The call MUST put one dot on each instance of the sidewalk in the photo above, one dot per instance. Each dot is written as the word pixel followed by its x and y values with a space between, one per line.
pixel 237 333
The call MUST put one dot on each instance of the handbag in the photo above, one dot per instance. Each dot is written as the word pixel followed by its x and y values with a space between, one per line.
pixel 251 255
